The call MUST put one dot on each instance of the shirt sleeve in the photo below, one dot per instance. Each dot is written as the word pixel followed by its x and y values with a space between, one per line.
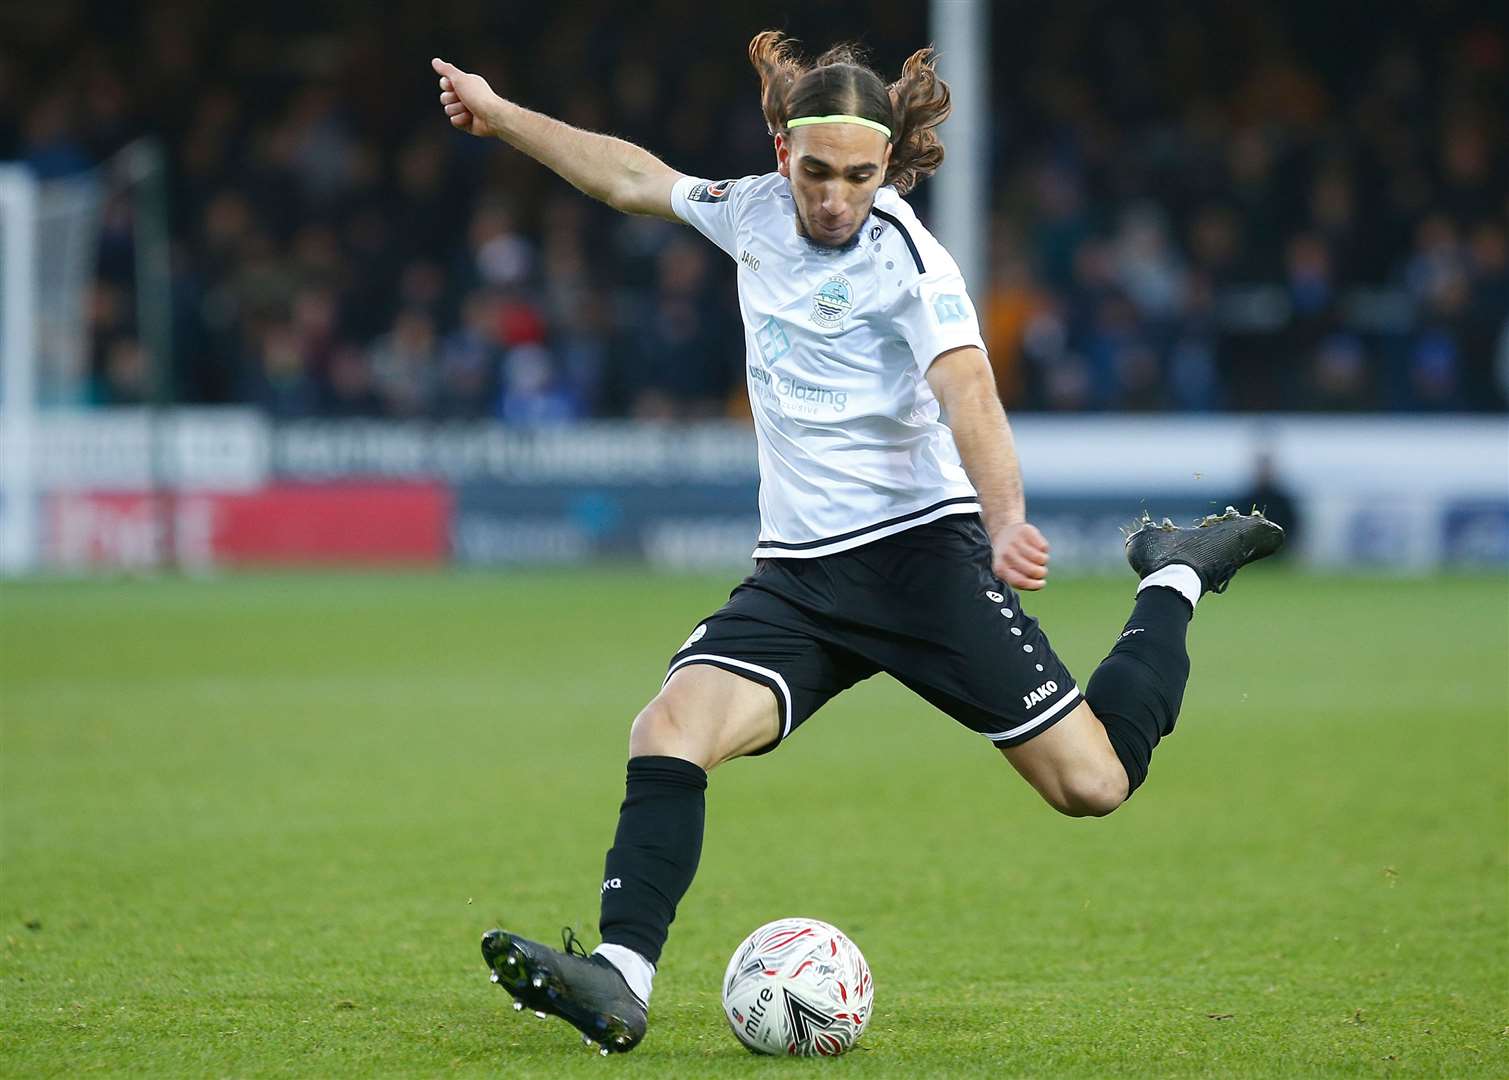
pixel 712 208
pixel 936 315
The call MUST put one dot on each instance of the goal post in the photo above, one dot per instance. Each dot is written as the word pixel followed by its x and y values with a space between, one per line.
pixel 49 252
pixel 960 193
pixel 19 539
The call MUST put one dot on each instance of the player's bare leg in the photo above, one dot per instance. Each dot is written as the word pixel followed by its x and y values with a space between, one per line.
pixel 702 717
pixel 707 716
pixel 1073 765
pixel 1091 761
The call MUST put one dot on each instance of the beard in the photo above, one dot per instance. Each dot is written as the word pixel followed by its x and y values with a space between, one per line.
pixel 827 247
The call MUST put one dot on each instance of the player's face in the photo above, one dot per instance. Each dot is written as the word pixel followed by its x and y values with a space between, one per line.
pixel 834 171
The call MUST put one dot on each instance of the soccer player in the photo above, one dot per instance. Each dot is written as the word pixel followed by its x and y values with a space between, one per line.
pixel 893 531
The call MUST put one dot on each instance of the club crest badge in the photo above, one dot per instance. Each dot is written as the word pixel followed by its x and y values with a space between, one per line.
pixel 833 301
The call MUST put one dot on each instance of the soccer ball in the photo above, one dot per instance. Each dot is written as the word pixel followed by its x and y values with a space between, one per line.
pixel 797 986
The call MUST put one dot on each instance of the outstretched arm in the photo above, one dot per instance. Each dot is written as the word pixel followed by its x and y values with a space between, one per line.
pixel 618 173
pixel 965 386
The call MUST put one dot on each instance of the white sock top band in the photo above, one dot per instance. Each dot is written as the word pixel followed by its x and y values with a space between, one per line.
pixel 638 972
pixel 1182 579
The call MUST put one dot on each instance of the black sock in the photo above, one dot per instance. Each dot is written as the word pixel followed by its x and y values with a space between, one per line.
pixel 654 854
pixel 1137 689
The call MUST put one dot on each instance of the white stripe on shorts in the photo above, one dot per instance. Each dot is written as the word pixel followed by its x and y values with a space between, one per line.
pixel 1036 721
pixel 773 675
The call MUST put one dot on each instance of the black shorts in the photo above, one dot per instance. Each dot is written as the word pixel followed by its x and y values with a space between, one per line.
pixel 922 605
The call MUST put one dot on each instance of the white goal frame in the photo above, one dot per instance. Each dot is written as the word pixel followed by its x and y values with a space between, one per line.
pixel 19 540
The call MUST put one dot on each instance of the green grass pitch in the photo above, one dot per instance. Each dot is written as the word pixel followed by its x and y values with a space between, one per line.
pixel 256 825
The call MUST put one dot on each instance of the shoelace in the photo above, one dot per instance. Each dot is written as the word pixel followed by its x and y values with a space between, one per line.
pixel 572 945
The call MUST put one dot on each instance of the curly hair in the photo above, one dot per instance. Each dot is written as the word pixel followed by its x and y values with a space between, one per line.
pixel 840 81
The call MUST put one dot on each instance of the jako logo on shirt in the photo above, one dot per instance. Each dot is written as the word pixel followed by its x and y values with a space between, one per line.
pixel 696 637
pixel 833 301
pixel 613 883
pixel 1040 694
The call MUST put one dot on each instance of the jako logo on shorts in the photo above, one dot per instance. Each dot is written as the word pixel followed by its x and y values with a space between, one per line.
pixel 1040 694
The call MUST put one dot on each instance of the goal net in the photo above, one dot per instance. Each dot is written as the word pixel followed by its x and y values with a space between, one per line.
pixel 50 240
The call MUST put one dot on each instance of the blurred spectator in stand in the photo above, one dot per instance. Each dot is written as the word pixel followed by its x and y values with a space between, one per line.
pixel 1059 222
pixel 470 359
pixel 404 366
pixel 583 347
pixel 1437 262
pixel 502 256
pixel 422 287
pixel 350 390
pixel 427 204
pixel 1125 365
pixel 49 144
pixel 533 393
pixel 677 374
pixel 1057 378
pixel 1467 191
pixel 1194 379
pixel 316 320
pixel 109 317
pixel 1338 376
pixel 1014 300
pixel 1501 363
pixel 278 378
pixel 126 378
pixel 1311 331
pixel 1147 269
pixel 10 128
pixel 1434 372
pixel 1250 163
pixel 1333 216
pixel 1215 244
pixel 1487 315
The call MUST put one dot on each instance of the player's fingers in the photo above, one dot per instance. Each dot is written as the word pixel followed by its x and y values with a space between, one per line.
pixel 455 109
pixel 1026 558
pixel 449 97
pixel 1026 568
pixel 1031 571
pixel 442 67
pixel 1022 583
pixel 1029 536
pixel 1029 552
pixel 1017 572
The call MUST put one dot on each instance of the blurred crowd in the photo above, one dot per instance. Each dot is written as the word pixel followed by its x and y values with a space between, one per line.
pixel 1263 208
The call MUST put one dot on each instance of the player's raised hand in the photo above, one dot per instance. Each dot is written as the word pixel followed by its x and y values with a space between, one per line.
pixel 468 100
pixel 1021 556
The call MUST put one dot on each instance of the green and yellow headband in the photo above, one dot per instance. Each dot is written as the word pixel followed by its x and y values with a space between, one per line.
pixel 840 118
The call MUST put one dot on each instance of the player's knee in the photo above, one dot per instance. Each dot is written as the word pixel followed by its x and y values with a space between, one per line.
pixel 656 730
pixel 663 728
pixel 1090 794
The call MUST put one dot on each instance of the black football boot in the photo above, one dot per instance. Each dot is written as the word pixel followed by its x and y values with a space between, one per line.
pixel 1215 548
pixel 585 991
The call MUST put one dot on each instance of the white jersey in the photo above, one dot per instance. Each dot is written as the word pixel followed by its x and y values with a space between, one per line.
pixel 837 344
